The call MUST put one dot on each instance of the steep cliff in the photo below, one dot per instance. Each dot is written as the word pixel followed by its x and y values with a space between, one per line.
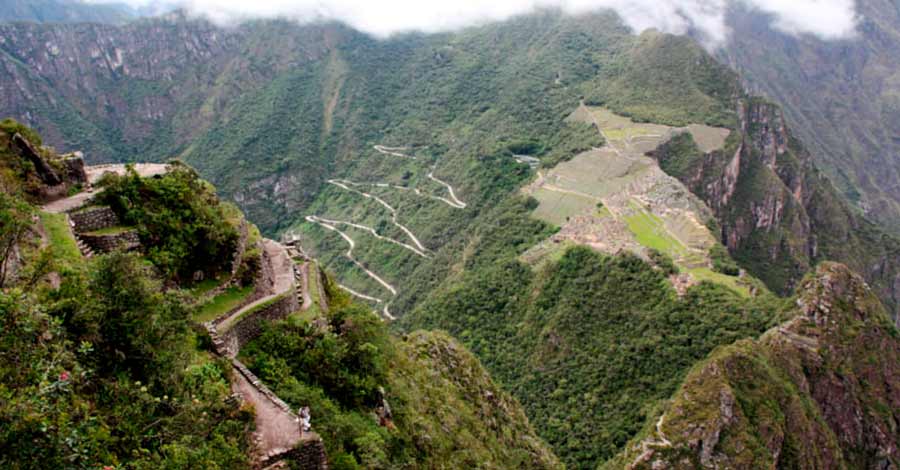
pixel 821 391
pixel 841 97
pixel 777 213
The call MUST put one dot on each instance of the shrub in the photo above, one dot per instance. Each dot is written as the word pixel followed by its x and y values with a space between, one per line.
pixel 181 223
pixel 722 262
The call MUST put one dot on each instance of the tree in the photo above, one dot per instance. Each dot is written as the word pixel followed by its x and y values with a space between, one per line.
pixel 135 326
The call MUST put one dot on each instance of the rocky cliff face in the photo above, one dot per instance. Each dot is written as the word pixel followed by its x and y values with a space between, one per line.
pixel 106 79
pixel 148 90
pixel 821 391
pixel 841 97
pixel 777 213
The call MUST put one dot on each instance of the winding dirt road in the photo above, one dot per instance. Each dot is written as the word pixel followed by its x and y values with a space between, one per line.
pixel 343 184
pixel 349 255
pixel 453 201
pixel 419 248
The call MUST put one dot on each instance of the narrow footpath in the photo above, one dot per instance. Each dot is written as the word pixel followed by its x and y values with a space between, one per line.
pixel 283 269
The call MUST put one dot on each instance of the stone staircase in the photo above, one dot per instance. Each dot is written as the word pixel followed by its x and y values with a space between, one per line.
pixel 85 249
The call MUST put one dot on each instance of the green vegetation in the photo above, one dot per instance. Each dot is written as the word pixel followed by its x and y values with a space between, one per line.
pixel 590 345
pixel 62 242
pixel 694 88
pixel 764 399
pixel 104 371
pixel 222 303
pixel 680 157
pixel 439 395
pixel 663 262
pixel 650 232
pixel 722 262
pixel 204 286
pixel 15 225
pixel 17 174
pixel 181 224
pixel 111 231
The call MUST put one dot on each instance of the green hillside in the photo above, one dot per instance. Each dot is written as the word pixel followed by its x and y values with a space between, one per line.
pixel 103 366
pixel 672 221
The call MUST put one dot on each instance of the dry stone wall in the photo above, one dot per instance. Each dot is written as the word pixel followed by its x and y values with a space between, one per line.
pixel 94 218
pixel 309 455
pixel 127 240
pixel 251 325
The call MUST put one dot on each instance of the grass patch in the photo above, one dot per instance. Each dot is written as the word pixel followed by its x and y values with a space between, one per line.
pixel 62 242
pixel 201 288
pixel 556 207
pixel 110 231
pixel 222 303
pixel 734 283
pixel 650 232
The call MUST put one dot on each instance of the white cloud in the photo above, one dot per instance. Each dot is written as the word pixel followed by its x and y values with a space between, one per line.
pixel 829 19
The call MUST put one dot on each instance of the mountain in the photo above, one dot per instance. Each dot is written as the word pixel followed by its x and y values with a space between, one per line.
pixel 821 390
pixel 592 213
pixel 777 214
pixel 107 362
pixel 840 97
pixel 64 11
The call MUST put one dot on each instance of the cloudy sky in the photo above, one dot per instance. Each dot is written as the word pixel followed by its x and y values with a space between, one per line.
pixel 829 19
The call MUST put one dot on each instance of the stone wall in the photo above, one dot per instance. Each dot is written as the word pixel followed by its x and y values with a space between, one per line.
pixel 94 218
pixel 257 384
pixel 251 325
pixel 308 455
pixel 127 240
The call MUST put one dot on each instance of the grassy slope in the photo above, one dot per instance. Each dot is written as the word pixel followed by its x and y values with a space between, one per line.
pixel 62 243
pixel 224 302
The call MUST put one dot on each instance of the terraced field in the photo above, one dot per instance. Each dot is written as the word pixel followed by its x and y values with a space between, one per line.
pixel 616 198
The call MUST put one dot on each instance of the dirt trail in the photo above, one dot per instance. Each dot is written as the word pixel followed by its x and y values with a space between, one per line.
pixel 276 430
pixel 393 151
pixel 94 173
pixel 456 202
pixel 283 269
pixel 360 294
